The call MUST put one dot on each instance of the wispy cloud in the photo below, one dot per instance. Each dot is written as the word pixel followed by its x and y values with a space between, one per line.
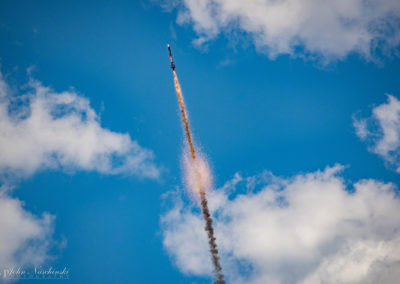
pixel 329 30
pixel 42 129
pixel 310 228
pixel 381 131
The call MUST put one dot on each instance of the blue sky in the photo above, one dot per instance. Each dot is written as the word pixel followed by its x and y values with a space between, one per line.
pixel 250 111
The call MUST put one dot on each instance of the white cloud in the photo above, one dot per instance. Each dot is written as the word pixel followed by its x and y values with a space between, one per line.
pixel 43 129
pixel 306 229
pixel 327 29
pixel 382 131
pixel 24 238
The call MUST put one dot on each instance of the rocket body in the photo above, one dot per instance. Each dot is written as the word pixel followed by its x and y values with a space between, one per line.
pixel 170 57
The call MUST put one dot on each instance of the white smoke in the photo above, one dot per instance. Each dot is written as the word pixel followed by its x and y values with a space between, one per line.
pixel 197 174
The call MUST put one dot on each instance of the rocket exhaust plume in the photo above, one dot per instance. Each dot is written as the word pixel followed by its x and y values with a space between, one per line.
pixel 199 178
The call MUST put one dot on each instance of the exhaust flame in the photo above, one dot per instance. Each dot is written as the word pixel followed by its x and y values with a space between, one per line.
pixel 199 179
pixel 184 117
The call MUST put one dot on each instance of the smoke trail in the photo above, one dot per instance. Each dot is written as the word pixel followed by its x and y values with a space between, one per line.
pixel 201 178
pixel 184 117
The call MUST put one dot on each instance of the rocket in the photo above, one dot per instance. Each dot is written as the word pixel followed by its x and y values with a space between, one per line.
pixel 170 58
pixel 200 176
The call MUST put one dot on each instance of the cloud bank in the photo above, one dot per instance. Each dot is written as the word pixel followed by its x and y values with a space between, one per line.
pixel 314 28
pixel 381 131
pixel 43 129
pixel 310 228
